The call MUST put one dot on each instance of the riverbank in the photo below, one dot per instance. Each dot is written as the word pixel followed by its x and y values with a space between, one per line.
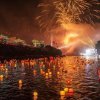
pixel 8 51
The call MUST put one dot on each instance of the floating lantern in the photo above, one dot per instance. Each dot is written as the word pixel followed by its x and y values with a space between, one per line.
pixel 20 81
pixel 15 65
pixel 35 93
pixel 50 73
pixel 46 74
pixel 71 90
pixel 1 77
pixel 6 70
pixel 62 93
pixel 58 73
pixel 66 89
pixel 34 72
pixel 68 82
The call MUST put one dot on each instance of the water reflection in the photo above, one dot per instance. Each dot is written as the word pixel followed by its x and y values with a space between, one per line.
pixel 71 78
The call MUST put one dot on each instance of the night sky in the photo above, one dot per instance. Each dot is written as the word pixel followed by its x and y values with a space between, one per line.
pixel 17 18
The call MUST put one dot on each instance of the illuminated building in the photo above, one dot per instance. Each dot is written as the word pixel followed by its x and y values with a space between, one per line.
pixel 3 38
pixel 37 43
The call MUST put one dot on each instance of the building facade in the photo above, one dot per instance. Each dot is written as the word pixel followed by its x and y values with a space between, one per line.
pixel 37 43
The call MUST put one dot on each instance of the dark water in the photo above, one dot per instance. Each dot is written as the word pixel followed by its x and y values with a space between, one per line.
pixel 83 79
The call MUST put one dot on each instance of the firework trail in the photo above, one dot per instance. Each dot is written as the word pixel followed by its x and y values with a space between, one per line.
pixel 74 38
pixel 59 13
pixel 62 12
pixel 77 11
pixel 47 18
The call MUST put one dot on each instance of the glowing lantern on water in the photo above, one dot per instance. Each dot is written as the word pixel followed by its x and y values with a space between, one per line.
pixel 58 73
pixel 71 90
pixel 20 81
pixel 1 77
pixel 43 73
pixel 68 81
pixel 34 72
pixel 6 70
pixel 46 74
pixel 50 73
pixel 66 89
pixel 62 93
pixel 20 84
pixel 15 65
pixel 35 93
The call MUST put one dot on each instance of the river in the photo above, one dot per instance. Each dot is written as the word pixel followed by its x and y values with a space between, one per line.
pixel 48 77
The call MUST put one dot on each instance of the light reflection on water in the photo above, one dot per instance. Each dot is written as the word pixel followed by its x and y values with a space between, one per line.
pixel 67 72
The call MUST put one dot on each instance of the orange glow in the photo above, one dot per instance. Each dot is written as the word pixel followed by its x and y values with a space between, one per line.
pixel 62 93
pixel 35 93
pixel 70 38
pixel 78 36
pixel 1 77
pixel 20 81
pixel 66 89
pixel 71 90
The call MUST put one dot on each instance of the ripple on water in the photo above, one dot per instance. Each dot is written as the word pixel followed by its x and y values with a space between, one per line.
pixel 86 86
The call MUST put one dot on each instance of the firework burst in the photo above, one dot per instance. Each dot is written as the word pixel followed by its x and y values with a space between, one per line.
pixel 47 17
pixel 61 12
pixel 66 15
pixel 77 11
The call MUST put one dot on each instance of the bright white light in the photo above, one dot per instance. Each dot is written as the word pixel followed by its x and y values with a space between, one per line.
pixel 89 52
